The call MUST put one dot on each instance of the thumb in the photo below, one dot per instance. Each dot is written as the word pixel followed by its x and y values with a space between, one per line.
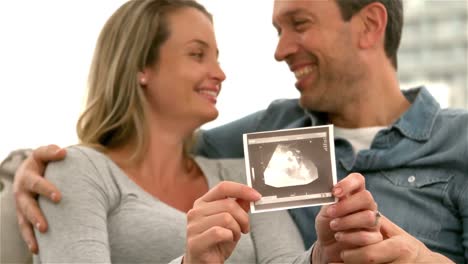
pixel 390 229
pixel 230 189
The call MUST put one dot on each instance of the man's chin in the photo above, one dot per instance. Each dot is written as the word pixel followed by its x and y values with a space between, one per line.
pixel 310 103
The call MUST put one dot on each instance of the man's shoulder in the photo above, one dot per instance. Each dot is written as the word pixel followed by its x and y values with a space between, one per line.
pixel 282 113
pixel 454 113
pixel 453 117
pixel 428 107
pixel 285 106
pixel 451 129
pixel 291 103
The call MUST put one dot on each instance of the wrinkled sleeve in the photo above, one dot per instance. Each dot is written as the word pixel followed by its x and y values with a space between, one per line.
pixel 78 224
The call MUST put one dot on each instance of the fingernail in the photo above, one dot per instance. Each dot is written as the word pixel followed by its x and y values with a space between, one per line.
pixel 30 246
pixel 257 195
pixel 334 223
pixel 53 196
pixel 338 236
pixel 337 191
pixel 331 211
pixel 57 151
pixel 38 225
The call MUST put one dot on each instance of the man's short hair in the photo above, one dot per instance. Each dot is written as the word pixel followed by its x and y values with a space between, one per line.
pixel 349 8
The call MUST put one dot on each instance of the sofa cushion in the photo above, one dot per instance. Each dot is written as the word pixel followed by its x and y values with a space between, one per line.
pixel 12 247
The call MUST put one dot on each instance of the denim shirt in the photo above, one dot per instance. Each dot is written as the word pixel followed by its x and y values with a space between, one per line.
pixel 416 169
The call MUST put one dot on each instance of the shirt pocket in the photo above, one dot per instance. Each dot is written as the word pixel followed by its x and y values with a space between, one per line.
pixel 417 200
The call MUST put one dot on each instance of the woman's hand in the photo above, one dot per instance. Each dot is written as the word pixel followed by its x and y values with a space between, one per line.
pixel 29 182
pixel 217 221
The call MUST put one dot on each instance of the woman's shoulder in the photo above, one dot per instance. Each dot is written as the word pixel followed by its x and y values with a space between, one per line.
pixel 81 162
pixel 82 157
pixel 85 153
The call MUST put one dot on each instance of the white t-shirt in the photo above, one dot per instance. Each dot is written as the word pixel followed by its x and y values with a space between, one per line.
pixel 360 138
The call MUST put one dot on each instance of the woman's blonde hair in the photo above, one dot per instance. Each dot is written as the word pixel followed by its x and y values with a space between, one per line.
pixel 116 107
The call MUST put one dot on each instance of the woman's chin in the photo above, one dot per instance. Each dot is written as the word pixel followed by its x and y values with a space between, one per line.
pixel 211 116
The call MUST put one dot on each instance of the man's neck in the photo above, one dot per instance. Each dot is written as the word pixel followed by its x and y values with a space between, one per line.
pixel 380 103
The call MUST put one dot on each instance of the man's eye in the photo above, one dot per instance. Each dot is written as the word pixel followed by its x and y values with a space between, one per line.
pixel 299 24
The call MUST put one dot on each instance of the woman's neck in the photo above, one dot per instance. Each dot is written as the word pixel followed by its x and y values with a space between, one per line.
pixel 162 158
pixel 165 172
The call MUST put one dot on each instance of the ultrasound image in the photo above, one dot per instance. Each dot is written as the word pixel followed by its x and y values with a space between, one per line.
pixel 288 167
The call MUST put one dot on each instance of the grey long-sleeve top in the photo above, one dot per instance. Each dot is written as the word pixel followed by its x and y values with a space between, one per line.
pixel 105 217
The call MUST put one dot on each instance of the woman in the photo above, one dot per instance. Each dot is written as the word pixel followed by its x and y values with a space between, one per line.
pixel 153 81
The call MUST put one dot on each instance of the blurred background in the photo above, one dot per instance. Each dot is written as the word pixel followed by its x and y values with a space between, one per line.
pixel 46 48
pixel 434 49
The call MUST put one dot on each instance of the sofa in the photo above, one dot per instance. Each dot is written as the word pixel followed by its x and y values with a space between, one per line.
pixel 13 250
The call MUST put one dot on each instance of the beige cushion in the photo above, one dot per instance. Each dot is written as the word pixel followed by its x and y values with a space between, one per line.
pixel 12 247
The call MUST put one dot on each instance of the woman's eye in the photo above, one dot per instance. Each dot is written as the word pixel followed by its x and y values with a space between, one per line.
pixel 198 55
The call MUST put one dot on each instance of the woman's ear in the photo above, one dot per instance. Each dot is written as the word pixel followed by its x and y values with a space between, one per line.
pixel 143 78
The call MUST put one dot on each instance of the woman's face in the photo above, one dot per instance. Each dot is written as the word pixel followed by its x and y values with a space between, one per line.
pixel 183 85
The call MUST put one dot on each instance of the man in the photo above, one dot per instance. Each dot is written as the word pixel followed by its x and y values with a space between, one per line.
pixel 344 56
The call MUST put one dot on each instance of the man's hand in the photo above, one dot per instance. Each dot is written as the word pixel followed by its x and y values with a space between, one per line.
pixel 28 184
pixel 397 247
pixel 350 223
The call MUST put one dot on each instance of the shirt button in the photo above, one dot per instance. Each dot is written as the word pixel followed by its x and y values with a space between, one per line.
pixel 411 179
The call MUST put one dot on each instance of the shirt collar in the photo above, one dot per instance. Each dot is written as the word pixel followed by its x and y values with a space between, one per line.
pixel 416 123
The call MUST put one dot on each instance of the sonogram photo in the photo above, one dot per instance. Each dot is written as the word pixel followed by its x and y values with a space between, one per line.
pixel 291 168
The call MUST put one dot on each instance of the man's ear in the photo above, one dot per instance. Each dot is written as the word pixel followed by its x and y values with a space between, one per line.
pixel 373 22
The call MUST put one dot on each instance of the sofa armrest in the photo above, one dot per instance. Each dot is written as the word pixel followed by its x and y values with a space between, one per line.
pixel 12 247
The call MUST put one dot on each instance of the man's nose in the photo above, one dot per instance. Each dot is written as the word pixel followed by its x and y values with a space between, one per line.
pixel 286 46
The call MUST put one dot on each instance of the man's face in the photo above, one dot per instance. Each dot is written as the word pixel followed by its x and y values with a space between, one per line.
pixel 321 49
